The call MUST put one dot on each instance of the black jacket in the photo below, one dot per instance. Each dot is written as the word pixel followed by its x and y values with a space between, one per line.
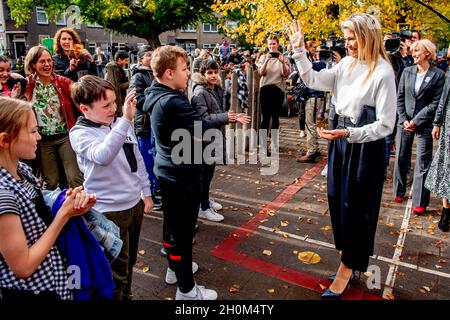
pixel 170 111
pixel 62 67
pixel 142 79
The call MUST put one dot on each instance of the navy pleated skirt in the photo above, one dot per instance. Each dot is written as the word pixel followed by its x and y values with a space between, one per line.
pixel 355 186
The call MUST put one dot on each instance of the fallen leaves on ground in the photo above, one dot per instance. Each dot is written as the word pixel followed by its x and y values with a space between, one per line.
pixel 234 288
pixel 308 257
pixel 442 260
pixel 271 290
pixel 146 269
pixel 390 296
pixel 284 223
pixel 141 252
pixel 267 252
pixel 326 228
pixel 322 287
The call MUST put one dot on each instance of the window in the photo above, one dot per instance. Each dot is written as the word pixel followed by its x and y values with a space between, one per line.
pixel 41 16
pixel 62 20
pixel 207 27
pixel 209 46
pixel 189 28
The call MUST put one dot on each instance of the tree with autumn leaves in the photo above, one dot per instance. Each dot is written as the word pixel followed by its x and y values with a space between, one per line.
pixel 258 18
pixel 142 18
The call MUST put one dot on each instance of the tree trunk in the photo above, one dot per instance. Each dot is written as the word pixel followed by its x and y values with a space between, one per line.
pixel 153 40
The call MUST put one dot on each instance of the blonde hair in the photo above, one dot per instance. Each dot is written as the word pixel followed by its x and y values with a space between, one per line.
pixel 166 57
pixel 428 46
pixel 33 56
pixel 14 114
pixel 367 30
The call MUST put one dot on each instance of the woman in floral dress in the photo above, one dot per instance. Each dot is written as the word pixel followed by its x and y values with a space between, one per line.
pixel 438 179
pixel 56 115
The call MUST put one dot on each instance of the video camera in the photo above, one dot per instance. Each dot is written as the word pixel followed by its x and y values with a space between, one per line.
pixel 393 45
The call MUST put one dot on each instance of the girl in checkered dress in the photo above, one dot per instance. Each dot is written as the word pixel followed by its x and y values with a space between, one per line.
pixel 31 267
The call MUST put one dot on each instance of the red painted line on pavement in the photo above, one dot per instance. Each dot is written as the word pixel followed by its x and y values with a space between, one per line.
pixel 226 250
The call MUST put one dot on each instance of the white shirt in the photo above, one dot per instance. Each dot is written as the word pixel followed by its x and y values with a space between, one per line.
pixel 351 93
pixel 419 80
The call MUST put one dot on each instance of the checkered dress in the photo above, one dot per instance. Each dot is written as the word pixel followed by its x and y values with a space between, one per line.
pixel 17 199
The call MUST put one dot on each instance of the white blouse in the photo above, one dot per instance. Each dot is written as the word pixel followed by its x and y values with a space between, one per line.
pixel 352 93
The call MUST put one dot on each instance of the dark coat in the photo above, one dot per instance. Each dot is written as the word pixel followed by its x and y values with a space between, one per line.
pixel 210 104
pixel 142 79
pixel 116 75
pixel 170 111
pixel 440 112
pixel 62 68
pixel 420 108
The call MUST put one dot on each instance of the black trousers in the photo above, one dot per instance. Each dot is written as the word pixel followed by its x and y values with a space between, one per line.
pixel 180 204
pixel 355 186
pixel 271 98
pixel 207 176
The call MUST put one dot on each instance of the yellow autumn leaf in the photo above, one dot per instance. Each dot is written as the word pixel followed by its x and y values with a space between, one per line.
pixel 284 223
pixel 326 228
pixel 145 269
pixel 309 257
pixel 141 252
pixel 390 296
pixel 267 252
pixel 271 290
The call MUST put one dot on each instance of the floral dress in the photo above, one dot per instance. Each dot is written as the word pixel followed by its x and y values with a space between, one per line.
pixel 438 179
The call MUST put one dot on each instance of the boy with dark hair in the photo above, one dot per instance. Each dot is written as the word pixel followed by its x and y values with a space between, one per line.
pixel 116 75
pixel 108 155
pixel 142 79
pixel 208 99
pixel 180 181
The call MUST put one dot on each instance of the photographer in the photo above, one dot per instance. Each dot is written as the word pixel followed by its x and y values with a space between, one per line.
pixel 274 68
pixel 314 100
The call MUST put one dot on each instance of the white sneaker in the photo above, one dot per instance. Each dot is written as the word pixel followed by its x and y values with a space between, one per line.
pixel 324 172
pixel 171 277
pixel 197 293
pixel 215 205
pixel 210 215
pixel 302 134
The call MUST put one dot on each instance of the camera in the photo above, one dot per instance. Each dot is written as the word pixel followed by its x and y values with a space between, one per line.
pixel 325 55
pixel 274 54
pixel 339 47
pixel 392 45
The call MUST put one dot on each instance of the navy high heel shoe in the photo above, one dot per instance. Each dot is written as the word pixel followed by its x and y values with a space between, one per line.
pixel 352 277
pixel 330 295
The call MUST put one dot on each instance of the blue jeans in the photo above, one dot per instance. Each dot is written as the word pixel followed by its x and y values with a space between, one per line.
pixel 148 151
